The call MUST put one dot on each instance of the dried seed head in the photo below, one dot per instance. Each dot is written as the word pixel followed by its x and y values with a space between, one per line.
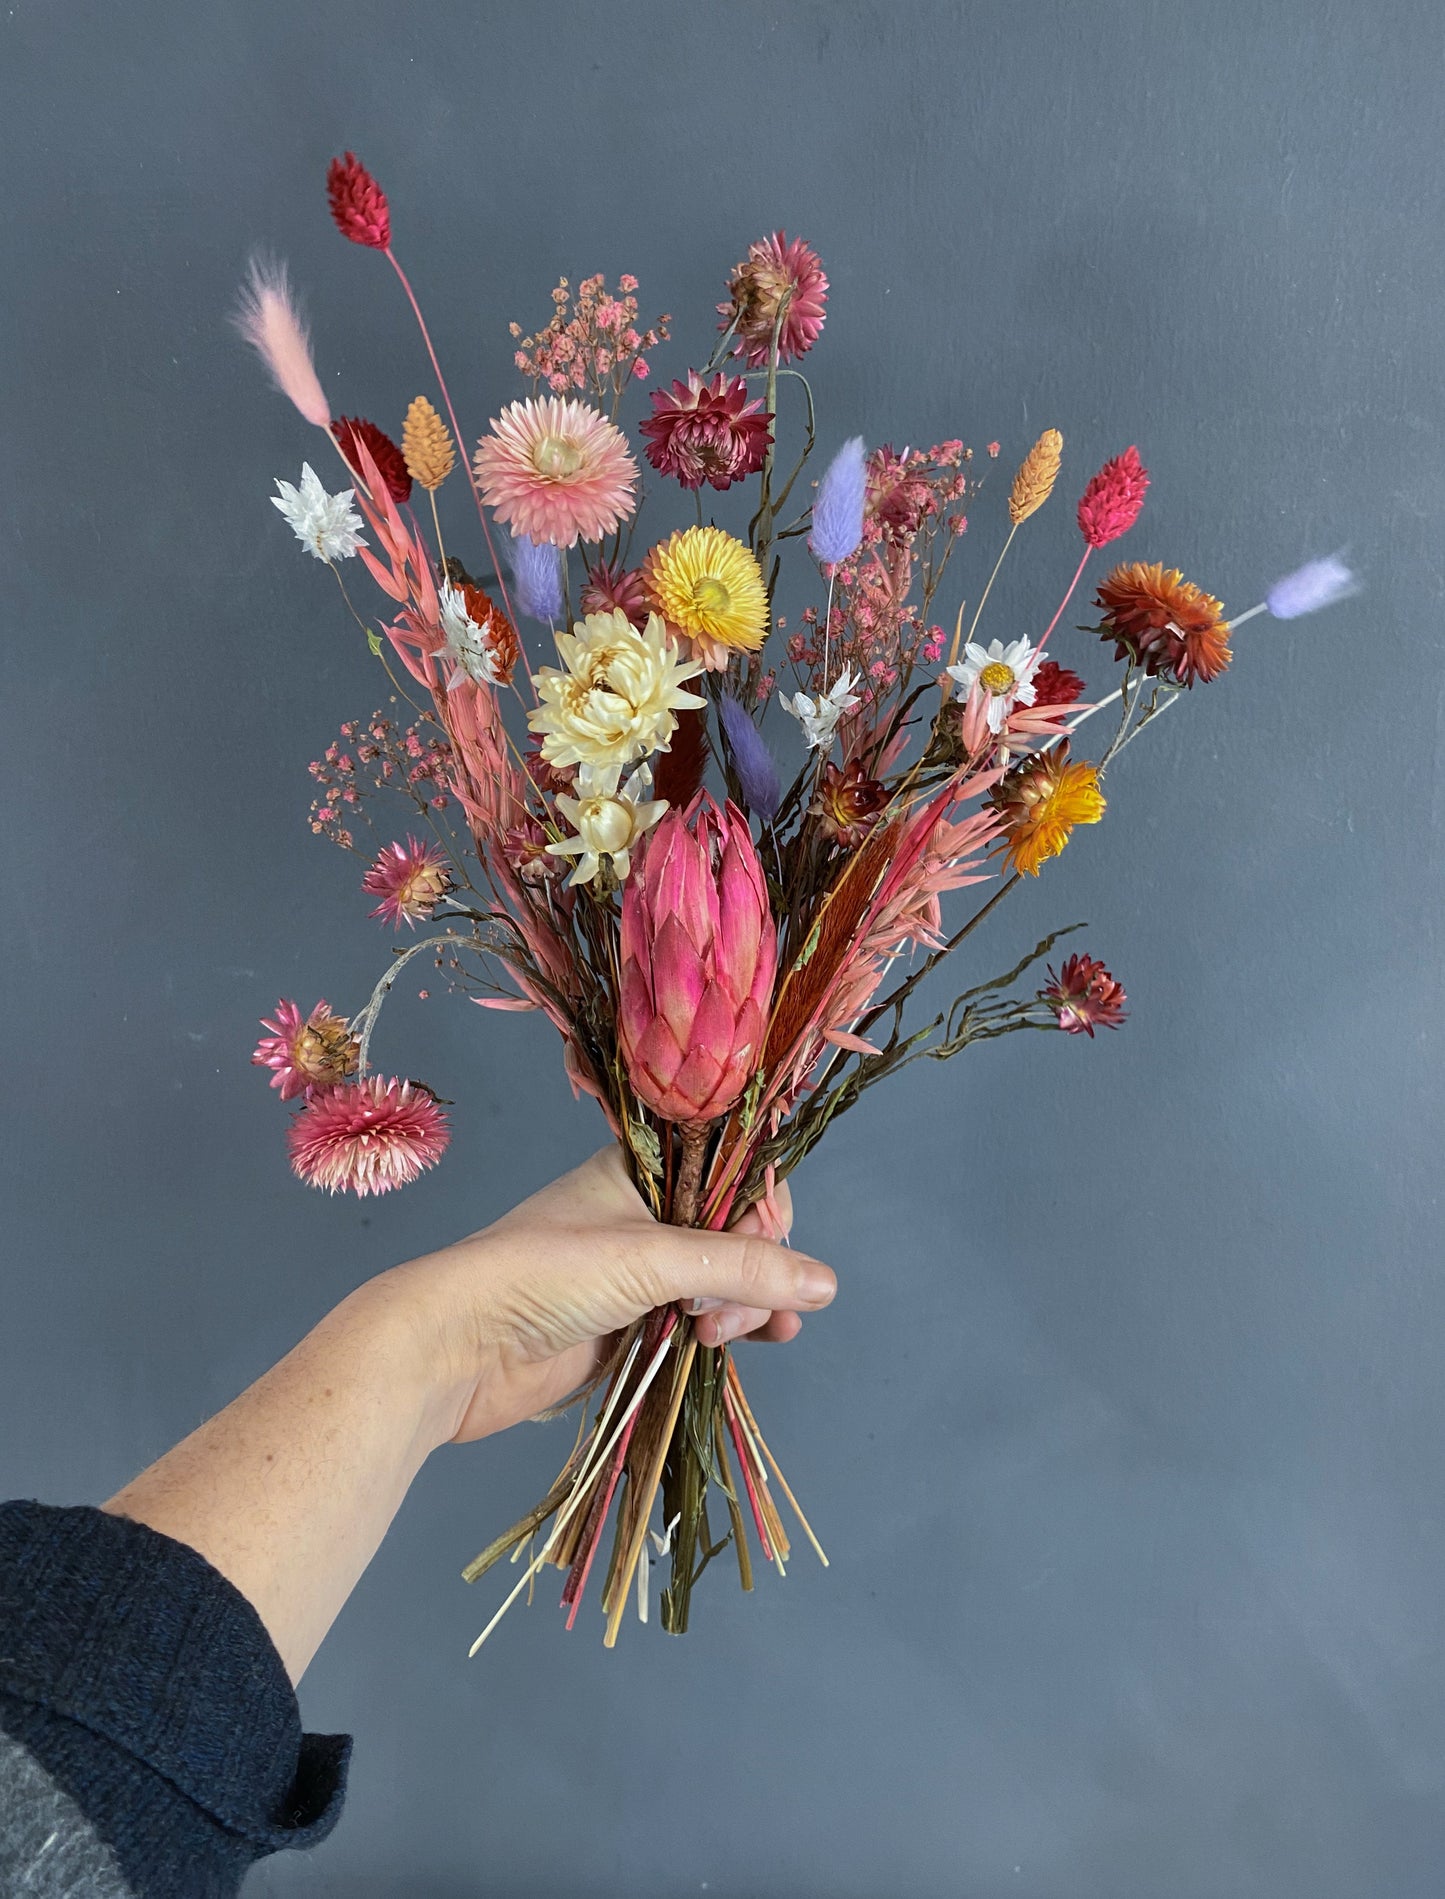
pixel 1038 472
pixel 426 445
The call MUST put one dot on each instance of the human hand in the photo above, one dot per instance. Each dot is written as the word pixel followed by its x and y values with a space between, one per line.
pixel 517 1316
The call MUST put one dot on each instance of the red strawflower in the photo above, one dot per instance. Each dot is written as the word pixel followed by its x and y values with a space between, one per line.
pixel 358 203
pixel 306 1052
pixel 1085 997
pixel 847 803
pixel 411 879
pixel 611 588
pixel 707 431
pixel 772 269
pixel 1055 685
pixel 390 462
pixel 367 1138
pixel 1110 505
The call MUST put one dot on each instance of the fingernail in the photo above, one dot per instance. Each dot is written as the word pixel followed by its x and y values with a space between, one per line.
pixel 816 1283
pixel 697 1306
pixel 728 1325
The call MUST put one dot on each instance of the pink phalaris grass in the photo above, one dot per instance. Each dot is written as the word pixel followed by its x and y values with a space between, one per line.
pixel 411 879
pixel 698 952
pixel 358 203
pixel 306 1052
pixel 707 431
pixel 390 462
pixel 368 1137
pixel 1110 505
pixel 1085 996
pixel 270 320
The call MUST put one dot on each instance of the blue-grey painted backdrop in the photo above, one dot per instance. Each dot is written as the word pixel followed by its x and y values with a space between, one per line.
pixel 1127 1431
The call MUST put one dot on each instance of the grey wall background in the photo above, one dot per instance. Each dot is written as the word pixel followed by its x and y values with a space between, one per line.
pixel 1127 1433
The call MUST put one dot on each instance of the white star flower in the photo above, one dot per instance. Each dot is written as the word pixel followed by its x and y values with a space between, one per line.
pixel 466 647
pixel 1003 673
pixel 819 717
pixel 608 818
pixel 325 525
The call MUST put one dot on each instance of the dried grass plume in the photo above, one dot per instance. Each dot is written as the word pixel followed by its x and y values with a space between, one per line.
pixel 1038 472
pixel 271 322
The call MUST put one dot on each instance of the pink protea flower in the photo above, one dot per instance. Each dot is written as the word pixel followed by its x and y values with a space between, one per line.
pixel 1085 996
pixel 391 463
pixel 772 268
pixel 358 203
pixel 699 953
pixel 556 470
pixel 1110 505
pixel 367 1138
pixel 611 588
pixel 411 879
pixel 306 1052
pixel 707 431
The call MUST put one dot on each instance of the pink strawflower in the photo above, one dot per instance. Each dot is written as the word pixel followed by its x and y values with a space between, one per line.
pixel 1085 996
pixel 351 429
pixel 367 1138
pixel 556 470
pixel 306 1052
pixel 707 431
pixel 270 320
pixel 358 203
pixel 411 879
pixel 1110 505
pixel 756 288
pixel 610 587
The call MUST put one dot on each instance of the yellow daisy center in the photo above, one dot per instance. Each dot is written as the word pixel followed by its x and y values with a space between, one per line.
pixel 996 677
pixel 556 458
pixel 709 595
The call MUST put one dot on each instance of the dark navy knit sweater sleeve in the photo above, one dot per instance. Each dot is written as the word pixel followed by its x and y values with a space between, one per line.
pixel 146 1686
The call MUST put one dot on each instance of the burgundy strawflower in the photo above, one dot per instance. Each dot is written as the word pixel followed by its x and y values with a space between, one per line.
pixel 1085 997
pixel 772 269
pixel 612 588
pixel 369 1137
pixel 306 1052
pixel 358 203
pixel 707 431
pixel 1110 505
pixel 390 462
pixel 1055 685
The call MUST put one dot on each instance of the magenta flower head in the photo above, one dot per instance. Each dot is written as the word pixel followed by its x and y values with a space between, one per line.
pixel 838 505
pixel 1110 505
pixel 1317 584
pixel 358 203
pixel 537 578
pixel 699 954
pixel 707 431
pixel 757 773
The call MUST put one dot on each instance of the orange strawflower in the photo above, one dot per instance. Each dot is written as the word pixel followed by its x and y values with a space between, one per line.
pixel 1159 620
pixel 1040 804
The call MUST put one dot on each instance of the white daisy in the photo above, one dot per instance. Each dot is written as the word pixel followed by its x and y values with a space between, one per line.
pixel 325 525
pixel 1003 673
pixel 466 647
pixel 608 819
pixel 819 717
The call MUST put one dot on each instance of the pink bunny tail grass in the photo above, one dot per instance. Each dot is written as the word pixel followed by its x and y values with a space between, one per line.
pixel 271 323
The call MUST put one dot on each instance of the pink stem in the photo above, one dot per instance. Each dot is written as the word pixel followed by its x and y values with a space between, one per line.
pixel 1070 594
pixel 456 430
pixel 741 1450
pixel 573 1591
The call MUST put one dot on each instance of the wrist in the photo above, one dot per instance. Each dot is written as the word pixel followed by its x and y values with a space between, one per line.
pixel 429 1348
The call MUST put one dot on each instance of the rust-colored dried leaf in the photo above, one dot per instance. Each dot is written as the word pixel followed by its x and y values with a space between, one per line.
pixel 426 445
pixel 1038 472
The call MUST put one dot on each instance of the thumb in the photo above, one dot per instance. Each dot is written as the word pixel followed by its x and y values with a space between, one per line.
pixel 686 1263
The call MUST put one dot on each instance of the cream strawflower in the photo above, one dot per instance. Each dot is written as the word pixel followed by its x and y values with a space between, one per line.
pixel 608 818
pixel 616 695
pixel 1004 674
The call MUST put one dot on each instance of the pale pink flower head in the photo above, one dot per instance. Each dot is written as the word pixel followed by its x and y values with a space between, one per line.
pixel 411 879
pixel 555 469
pixel 774 269
pixel 698 949
pixel 1085 996
pixel 306 1052
pixel 369 1137
pixel 707 431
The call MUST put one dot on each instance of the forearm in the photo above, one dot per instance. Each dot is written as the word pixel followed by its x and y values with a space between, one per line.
pixel 290 1489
